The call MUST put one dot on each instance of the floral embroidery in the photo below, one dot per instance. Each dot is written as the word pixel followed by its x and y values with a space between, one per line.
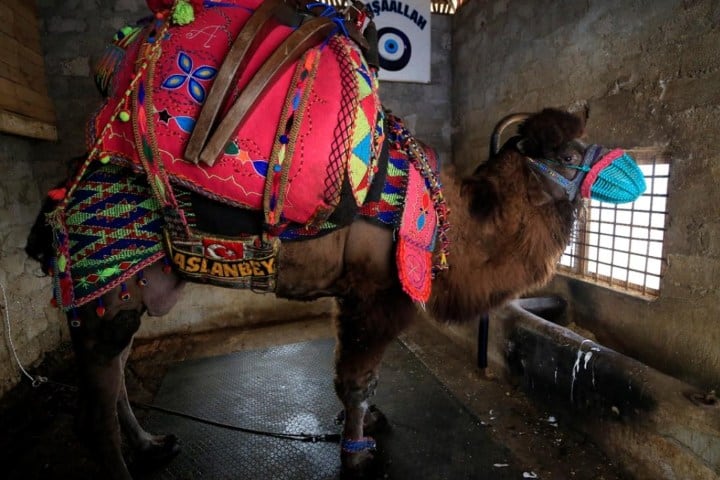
pixel 191 76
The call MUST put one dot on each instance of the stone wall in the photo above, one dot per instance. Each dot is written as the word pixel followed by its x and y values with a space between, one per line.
pixel 74 32
pixel 650 74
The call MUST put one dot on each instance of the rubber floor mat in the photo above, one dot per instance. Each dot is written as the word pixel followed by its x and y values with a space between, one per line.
pixel 289 389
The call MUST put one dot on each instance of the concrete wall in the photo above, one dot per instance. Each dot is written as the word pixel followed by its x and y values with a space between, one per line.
pixel 73 33
pixel 650 74
pixel 426 108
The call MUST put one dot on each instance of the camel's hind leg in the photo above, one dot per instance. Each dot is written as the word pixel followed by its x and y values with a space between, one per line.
pixel 365 329
pixel 99 343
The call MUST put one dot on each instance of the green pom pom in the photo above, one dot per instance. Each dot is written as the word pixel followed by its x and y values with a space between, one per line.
pixel 123 32
pixel 183 13
pixel 124 116
pixel 61 263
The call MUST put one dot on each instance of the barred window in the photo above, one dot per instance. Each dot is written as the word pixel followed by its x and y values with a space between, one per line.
pixel 621 246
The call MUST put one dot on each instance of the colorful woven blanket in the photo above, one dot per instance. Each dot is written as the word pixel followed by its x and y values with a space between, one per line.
pixel 312 142
pixel 112 229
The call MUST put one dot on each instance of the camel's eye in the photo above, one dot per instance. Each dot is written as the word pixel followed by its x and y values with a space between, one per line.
pixel 566 158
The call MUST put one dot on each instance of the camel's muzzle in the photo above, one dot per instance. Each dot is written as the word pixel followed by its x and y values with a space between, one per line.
pixel 614 177
pixel 607 175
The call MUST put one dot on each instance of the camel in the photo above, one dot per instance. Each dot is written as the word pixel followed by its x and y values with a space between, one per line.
pixel 511 220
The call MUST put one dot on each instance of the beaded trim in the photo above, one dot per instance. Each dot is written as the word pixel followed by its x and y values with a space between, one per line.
pixel 406 141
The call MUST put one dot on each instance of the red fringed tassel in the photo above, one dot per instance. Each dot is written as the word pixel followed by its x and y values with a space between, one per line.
pixel 66 289
pixel 166 268
pixel 100 310
pixel 57 194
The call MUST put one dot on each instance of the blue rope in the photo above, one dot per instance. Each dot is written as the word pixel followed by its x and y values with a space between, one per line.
pixel 333 15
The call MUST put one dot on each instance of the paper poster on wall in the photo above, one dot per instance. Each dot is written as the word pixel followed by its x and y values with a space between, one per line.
pixel 403 39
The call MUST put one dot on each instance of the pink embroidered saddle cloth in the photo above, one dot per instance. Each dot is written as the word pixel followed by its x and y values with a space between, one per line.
pixel 319 123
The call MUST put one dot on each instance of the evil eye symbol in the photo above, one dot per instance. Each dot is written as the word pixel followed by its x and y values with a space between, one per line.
pixel 394 49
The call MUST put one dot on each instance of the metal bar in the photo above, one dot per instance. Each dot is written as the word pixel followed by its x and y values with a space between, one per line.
pixel 483 338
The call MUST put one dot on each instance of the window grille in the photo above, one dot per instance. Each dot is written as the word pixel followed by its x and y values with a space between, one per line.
pixel 621 246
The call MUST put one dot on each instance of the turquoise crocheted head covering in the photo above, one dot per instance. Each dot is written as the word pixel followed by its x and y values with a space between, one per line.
pixel 614 178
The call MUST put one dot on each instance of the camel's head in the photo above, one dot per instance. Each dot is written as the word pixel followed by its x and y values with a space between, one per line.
pixel 550 141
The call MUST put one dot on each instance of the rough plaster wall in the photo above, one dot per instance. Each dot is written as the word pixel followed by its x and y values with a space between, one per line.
pixel 649 71
pixel 74 32
pixel 34 323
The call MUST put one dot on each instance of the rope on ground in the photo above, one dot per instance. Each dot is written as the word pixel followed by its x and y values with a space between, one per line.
pixel 302 437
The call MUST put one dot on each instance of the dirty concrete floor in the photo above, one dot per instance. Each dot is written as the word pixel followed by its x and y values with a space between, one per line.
pixel 37 439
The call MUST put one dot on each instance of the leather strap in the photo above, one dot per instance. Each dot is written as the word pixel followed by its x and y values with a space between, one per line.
pixel 245 42
pixel 292 48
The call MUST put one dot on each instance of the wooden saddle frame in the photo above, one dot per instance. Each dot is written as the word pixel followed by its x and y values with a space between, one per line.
pixel 210 135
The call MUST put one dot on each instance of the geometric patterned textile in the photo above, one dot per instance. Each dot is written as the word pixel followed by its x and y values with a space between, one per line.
pixel 387 211
pixel 113 229
pixel 368 134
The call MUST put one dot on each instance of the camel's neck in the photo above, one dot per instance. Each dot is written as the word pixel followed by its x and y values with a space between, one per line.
pixel 502 244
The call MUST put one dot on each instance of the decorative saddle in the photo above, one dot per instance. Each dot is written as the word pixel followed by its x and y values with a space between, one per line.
pixel 265 113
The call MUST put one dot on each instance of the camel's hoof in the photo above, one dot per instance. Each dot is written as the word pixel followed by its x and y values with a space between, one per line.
pixel 160 449
pixel 357 464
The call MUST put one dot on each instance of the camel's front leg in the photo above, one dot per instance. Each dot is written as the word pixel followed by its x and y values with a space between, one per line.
pixel 365 328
